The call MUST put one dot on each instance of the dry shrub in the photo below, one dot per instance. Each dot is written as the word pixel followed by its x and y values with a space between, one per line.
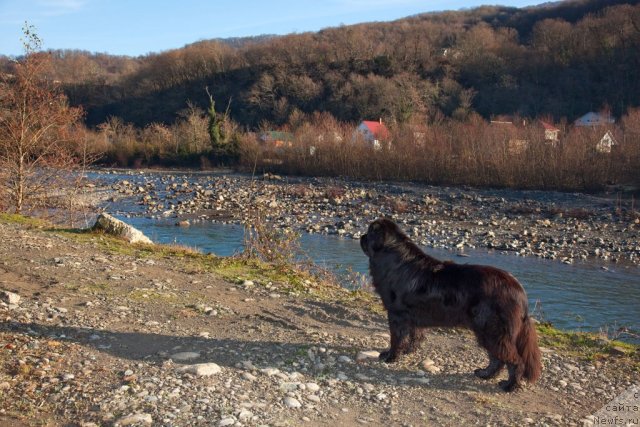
pixel 268 243
pixel 298 191
pixel 399 206
pixel 575 213
pixel 333 192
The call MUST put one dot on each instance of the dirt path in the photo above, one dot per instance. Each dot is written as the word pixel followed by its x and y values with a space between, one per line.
pixel 104 334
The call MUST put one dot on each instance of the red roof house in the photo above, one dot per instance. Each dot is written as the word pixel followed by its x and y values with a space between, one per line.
pixel 374 132
pixel 550 132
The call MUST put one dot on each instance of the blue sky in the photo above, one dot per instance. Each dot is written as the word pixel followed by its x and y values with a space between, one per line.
pixel 138 27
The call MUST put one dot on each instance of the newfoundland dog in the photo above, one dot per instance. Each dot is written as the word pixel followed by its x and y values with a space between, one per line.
pixel 419 291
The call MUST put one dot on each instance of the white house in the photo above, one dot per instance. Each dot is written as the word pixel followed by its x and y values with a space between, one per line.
pixel 606 142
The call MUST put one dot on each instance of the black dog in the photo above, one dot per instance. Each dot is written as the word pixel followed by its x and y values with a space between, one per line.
pixel 419 291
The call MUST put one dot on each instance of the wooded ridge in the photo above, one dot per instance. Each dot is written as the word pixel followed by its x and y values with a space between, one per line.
pixel 559 60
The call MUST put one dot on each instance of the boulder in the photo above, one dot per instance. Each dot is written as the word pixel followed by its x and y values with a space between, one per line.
pixel 113 226
pixel 201 369
pixel 10 297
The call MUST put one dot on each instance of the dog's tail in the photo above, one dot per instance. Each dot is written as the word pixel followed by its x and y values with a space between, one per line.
pixel 527 344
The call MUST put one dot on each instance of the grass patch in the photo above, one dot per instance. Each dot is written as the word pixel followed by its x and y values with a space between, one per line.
pixel 23 220
pixel 587 345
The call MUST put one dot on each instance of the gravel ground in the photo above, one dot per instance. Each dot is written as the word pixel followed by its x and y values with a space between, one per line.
pixel 98 333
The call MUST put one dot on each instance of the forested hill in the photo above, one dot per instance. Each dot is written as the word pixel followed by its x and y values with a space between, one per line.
pixel 560 59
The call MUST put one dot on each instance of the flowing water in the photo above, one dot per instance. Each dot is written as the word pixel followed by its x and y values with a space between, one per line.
pixel 582 296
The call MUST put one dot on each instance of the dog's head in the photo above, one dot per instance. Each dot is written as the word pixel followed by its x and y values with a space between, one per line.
pixel 381 233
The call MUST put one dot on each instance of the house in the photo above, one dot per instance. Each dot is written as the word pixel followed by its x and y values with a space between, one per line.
pixel 551 132
pixel 502 128
pixel 606 142
pixel 277 139
pixel 373 132
pixel 595 119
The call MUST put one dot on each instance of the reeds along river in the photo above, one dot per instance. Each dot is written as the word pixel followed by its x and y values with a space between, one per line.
pixel 581 296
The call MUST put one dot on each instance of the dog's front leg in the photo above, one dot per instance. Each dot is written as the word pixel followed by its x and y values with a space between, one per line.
pixel 399 329
pixel 416 336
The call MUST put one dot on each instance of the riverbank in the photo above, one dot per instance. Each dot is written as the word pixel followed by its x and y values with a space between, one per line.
pixel 568 227
pixel 105 333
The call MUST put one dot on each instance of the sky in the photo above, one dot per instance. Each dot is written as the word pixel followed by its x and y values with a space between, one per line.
pixel 139 27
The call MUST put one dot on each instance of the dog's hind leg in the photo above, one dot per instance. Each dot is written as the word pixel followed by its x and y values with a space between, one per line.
pixel 491 371
pixel 515 377
pixel 400 330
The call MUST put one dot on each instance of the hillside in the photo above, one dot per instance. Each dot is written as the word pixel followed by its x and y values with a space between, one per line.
pixel 559 59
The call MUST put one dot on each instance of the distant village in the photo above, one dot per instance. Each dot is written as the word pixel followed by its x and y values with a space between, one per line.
pixel 510 129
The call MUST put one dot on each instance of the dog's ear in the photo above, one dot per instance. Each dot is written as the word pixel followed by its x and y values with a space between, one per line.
pixel 376 236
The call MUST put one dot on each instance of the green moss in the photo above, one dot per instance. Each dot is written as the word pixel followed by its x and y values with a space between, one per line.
pixel 22 220
pixel 587 345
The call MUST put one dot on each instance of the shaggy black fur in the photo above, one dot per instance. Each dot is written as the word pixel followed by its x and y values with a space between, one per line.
pixel 419 291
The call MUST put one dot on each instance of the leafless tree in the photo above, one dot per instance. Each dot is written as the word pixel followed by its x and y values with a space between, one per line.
pixel 36 131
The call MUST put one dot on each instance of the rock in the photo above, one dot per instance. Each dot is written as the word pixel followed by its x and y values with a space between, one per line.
pixel 314 398
pixel 10 297
pixel 110 225
pixel 292 402
pixel 427 362
pixel 428 365
pixel 364 355
pixel 227 421
pixel 184 356
pixel 5 386
pixel 249 376
pixel 201 369
pixel 270 371
pixel 312 387
pixel 183 223
pixel 245 415
pixel 135 419
pixel 288 386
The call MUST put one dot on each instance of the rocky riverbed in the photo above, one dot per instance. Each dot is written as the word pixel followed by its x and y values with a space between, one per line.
pixel 96 332
pixel 566 227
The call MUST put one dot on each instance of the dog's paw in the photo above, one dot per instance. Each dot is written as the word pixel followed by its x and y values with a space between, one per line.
pixel 509 386
pixel 483 373
pixel 387 357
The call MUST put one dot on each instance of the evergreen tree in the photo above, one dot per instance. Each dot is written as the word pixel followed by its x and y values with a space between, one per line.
pixel 216 128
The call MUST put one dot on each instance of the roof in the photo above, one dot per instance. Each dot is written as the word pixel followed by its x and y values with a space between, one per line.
pixel 548 126
pixel 594 119
pixel 378 129
pixel 276 135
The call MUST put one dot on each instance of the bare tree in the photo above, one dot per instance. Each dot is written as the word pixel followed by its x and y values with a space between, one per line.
pixel 36 130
